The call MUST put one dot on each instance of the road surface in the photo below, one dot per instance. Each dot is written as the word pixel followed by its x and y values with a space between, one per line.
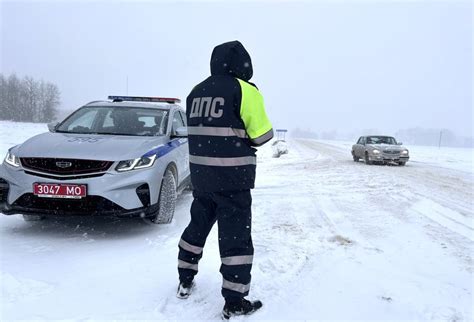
pixel 333 239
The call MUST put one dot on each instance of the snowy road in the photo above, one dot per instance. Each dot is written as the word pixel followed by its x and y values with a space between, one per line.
pixel 334 239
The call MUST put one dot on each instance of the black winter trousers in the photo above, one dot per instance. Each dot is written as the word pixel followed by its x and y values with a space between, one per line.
pixel 232 211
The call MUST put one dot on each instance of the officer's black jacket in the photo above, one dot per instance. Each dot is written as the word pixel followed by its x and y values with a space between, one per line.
pixel 226 119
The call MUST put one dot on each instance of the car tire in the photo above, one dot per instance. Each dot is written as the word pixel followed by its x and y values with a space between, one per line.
pixel 166 200
pixel 366 159
pixel 33 217
pixel 401 163
pixel 354 157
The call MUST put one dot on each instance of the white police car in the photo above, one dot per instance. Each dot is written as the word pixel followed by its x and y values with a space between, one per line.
pixel 127 156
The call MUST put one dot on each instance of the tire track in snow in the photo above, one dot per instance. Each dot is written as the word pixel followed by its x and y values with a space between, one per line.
pixel 371 207
pixel 446 189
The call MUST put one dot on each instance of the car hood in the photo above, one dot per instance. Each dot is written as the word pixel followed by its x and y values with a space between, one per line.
pixel 86 146
pixel 390 147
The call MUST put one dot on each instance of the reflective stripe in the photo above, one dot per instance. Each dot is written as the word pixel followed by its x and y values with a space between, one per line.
pixel 237 260
pixel 222 162
pixel 241 288
pixel 216 131
pixel 190 248
pixel 263 138
pixel 183 264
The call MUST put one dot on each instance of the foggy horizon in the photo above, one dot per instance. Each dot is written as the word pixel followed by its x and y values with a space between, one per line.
pixel 321 66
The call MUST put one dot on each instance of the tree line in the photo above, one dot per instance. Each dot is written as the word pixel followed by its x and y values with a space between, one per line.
pixel 28 100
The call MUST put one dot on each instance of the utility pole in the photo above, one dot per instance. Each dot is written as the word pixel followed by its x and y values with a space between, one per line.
pixel 440 136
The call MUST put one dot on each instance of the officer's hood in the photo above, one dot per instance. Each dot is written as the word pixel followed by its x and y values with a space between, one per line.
pixel 232 59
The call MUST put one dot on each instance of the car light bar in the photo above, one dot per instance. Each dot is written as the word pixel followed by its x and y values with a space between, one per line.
pixel 169 100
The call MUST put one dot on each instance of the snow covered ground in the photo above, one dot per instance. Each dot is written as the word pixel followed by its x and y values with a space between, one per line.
pixel 13 133
pixel 334 240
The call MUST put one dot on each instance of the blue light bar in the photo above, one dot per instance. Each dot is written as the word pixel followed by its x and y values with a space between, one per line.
pixel 169 100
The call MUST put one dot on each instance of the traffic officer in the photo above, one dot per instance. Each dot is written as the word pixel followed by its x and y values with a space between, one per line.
pixel 226 120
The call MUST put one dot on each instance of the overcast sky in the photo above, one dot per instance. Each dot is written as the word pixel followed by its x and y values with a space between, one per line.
pixel 320 65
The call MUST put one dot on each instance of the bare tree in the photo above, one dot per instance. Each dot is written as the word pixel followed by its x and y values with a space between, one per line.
pixel 50 102
pixel 13 94
pixel 4 113
pixel 28 100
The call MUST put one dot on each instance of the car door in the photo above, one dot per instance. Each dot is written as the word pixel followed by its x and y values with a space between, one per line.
pixel 181 144
pixel 359 147
pixel 187 171
pixel 362 147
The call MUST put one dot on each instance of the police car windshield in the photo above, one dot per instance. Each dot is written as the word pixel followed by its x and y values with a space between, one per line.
pixel 120 120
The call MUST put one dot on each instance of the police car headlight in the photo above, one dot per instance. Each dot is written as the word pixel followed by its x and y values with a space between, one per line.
pixel 135 164
pixel 405 152
pixel 12 160
pixel 375 151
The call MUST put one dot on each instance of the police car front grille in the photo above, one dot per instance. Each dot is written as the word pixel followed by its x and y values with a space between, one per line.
pixel 65 167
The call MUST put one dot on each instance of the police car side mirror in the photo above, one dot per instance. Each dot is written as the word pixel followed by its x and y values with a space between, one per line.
pixel 180 132
pixel 52 126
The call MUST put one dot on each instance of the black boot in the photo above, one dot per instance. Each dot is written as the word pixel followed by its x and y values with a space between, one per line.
pixel 185 289
pixel 239 307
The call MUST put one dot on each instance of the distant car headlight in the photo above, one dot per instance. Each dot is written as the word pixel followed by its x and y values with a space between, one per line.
pixel 405 152
pixel 12 160
pixel 375 151
pixel 135 164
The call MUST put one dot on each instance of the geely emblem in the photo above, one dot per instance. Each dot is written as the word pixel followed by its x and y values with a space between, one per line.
pixel 63 165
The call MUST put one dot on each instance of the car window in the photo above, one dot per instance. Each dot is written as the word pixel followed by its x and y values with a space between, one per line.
pixel 360 140
pixel 119 120
pixel 390 140
pixel 108 121
pixel 147 120
pixel 177 121
pixel 183 115
pixel 83 122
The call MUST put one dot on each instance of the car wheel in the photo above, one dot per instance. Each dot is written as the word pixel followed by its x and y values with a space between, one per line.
pixel 354 157
pixel 401 163
pixel 33 217
pixel 366 159
pixel 166 200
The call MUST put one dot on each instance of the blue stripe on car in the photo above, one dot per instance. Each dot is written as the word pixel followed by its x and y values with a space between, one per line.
pixel 167 148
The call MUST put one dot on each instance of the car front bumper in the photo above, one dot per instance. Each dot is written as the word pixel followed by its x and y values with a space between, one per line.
pixel 122 194
pixel 89 206
pixel 382 157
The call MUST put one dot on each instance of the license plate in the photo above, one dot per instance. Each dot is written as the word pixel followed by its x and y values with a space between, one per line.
pixel 52 190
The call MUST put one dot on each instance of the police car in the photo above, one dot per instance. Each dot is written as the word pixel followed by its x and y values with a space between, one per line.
pixel 126 156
